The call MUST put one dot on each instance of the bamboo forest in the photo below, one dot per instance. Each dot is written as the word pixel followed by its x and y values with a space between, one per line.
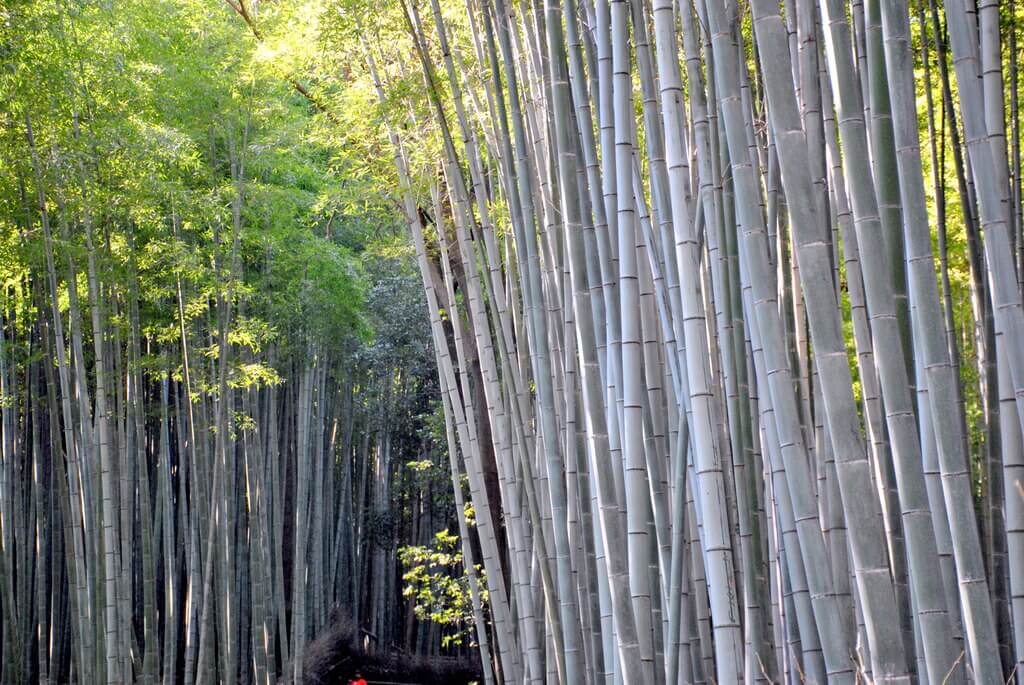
pixel 508 342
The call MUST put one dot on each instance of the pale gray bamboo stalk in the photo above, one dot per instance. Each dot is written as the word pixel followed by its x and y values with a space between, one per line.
pixel 505 637
pixel 631 346
pixel 947 421
pixel 939 372
pixel 468 438
pixel 879 128
pixel 922 551
pixel 445 367
pixel 872 572
pixel 495 410
pixel 569 196
pixel 653 411
pixel 686 250
pixel 113 637
pixel 631 648
pixel 473 465
pixel 992 186
pixel 467 549
pixel 880 454
pixel 704 657
pixel 1013 482
pixel 804 591
pixel 607 242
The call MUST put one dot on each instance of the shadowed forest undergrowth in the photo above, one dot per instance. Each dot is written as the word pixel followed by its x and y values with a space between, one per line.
pixel 338 652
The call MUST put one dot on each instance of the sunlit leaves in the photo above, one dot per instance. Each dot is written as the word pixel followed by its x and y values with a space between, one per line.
pixel 439 586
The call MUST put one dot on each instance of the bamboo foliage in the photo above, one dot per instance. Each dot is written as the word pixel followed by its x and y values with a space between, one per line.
pixel 207 461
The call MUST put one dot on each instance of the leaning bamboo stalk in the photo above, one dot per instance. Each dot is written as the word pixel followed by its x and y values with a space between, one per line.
pixel 939 372
pixel 495 410
pixel 612 523
pixel 687 250
pixel 884 318
pixel 467 549
pixel 592 301
pixel 464 437
pixel 462 214
pixel 813 615
pixel 474 467
pixel 876 589
pixel 992 186
pixel 1013 480
pixel 569 193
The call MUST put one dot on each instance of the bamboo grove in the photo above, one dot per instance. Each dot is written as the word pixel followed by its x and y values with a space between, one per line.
pixel 720 376
pixel 689 266
pixel 214 363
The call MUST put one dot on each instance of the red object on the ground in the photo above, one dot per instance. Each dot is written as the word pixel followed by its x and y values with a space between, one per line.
pixel 357 681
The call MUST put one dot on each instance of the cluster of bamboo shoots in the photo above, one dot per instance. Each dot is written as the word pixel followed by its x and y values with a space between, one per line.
pixel 678 258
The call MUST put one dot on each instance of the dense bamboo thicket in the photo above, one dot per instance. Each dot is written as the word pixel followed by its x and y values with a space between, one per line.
pixel 720 377
pixel 689 272
pixel 219 420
